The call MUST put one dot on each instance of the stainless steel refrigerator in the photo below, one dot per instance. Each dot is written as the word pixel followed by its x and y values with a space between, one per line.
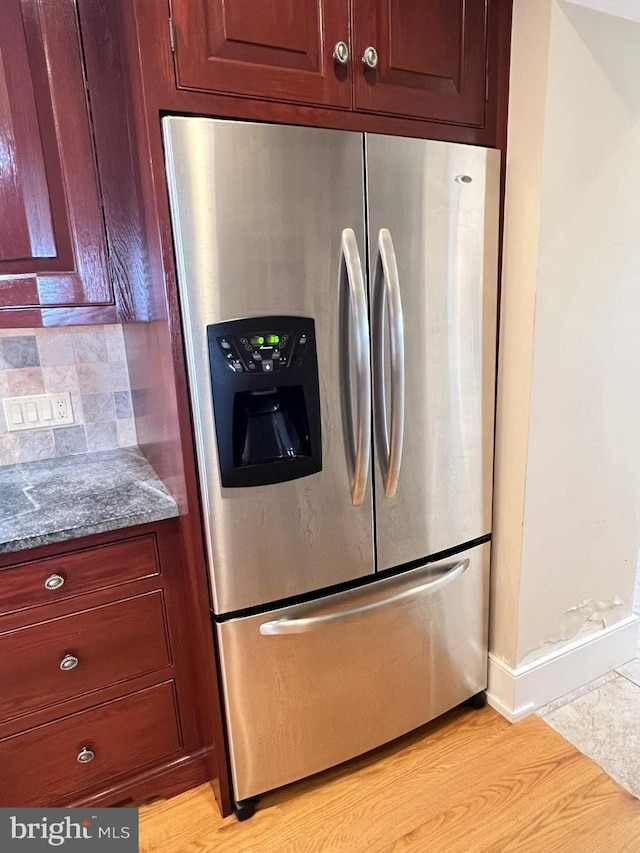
pixel 338 298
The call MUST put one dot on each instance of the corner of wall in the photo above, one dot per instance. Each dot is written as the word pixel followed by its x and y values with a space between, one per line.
pixel 524 167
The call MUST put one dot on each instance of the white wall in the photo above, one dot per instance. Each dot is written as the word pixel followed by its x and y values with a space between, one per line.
pixel 624 8
pixel 567 511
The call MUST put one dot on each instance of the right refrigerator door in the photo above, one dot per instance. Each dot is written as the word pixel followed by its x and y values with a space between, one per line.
pixel 433 255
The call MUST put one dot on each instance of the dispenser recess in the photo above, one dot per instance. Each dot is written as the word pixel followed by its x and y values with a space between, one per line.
pixel 266 402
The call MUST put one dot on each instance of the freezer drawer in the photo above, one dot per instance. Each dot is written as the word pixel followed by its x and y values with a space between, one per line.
pixel 310 686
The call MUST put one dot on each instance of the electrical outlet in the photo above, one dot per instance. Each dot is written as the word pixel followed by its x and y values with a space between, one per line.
pixel 38 411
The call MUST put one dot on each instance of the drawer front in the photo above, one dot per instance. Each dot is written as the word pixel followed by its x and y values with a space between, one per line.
pixel 118 737
pixel 71 655
pixel 66 575
pixel 310 686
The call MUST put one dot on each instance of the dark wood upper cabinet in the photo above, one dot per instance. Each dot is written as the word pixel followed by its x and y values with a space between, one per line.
pixel 281 49
pixel 52 241
pixel 430 58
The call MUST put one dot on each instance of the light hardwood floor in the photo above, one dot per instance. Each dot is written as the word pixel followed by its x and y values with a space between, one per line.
pixel 468 782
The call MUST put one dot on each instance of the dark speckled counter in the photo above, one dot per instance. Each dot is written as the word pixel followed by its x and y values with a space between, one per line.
pixel 59 499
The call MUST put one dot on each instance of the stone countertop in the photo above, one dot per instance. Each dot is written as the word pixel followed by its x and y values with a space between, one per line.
pixel 72 496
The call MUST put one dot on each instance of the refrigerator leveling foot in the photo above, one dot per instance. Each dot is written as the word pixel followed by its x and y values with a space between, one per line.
pixel 244 809
pixel 478 701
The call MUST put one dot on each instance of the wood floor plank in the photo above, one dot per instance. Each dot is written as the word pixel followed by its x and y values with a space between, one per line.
pixel 467 783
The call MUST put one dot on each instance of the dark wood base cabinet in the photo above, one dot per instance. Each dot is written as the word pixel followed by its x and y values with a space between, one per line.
pixel 107 672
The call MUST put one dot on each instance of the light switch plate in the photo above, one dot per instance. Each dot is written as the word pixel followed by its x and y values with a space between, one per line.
pixel 38 411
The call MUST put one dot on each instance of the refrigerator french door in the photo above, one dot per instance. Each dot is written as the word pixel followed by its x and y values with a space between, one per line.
pixel 338 299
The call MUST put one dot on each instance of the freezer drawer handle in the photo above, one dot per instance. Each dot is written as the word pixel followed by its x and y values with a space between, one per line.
pixel 309 623
pixel 360 334
pixel 390 439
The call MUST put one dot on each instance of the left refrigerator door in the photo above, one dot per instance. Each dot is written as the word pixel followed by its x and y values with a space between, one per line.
pixel 268 223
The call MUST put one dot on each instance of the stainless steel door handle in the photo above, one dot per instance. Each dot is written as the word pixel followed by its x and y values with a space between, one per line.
pixel 392 437
pixel 309 623
pixel 360 331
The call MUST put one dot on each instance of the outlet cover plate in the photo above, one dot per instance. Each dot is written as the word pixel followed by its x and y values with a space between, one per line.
pixel 38 411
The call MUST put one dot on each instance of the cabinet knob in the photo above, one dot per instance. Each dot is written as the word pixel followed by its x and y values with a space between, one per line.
pixel 85 755
pixel 68 662
pixel 54 582
pixel 341 53
pixel 370 57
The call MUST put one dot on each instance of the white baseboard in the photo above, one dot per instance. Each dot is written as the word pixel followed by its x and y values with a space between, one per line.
pixel 517 693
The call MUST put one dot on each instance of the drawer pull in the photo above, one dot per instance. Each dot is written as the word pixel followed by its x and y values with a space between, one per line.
pixel 85 755
pixel 68 662
pixel 54 582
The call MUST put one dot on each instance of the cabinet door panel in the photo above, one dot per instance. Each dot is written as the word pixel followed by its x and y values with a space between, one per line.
pixel 281 50
pixel 52 243
pixel 27 227
pixel 431 58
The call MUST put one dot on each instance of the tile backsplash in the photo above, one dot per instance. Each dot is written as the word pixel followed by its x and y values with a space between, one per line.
pixel 89 362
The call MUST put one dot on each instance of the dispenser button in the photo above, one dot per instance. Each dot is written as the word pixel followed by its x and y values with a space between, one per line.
pixel 257 356
pixel 303 340
pixel 225 344
pixel 267 366
pixel 276 355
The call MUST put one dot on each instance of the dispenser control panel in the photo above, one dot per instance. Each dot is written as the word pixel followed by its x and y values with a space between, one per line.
pixel 264 351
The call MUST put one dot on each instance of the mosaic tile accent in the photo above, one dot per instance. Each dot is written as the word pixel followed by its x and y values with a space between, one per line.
pixel 114 339
pixel 21 351
pixel 90 347
pixel 36 444
pixel 98 407
pixel 126 429
pixel 70 440
pixel 124 408
pixel 25 380
pixel 9 450
pixel 55 347
pixel 102 436
pixel 88 361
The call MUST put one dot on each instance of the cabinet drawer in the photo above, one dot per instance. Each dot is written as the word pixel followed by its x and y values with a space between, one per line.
pixel 123 735
pixel 66 575
pixel 71 655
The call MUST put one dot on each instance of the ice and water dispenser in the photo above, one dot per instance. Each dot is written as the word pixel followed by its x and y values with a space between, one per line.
pixel 264 378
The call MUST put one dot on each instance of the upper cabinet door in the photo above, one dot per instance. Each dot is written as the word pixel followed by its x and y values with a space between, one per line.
pixel 278 49
pixel 428 58
pixel 52 241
